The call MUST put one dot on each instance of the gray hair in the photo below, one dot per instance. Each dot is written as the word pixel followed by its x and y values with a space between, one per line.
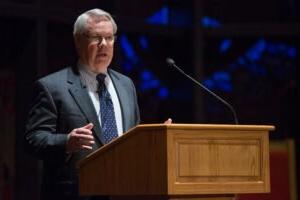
pixel 80 23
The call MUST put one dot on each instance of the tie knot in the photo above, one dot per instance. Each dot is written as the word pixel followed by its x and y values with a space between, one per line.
pixel 100 78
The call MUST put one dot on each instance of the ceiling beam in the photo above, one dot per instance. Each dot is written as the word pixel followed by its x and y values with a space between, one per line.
pixel 134 25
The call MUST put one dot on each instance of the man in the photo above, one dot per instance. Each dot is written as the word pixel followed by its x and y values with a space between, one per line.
pixel 79 109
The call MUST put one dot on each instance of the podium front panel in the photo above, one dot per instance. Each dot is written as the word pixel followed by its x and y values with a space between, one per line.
pixel 218 161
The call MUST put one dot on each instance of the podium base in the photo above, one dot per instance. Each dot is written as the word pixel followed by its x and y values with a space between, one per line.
pixel 159 197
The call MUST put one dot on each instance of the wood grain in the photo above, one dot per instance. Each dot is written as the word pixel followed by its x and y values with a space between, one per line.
pixel 180 159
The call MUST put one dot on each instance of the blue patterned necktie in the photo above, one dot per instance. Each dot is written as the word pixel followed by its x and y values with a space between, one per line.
pixel 108 120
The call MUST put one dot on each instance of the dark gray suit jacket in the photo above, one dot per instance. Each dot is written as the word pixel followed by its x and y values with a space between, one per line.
pixel 61 104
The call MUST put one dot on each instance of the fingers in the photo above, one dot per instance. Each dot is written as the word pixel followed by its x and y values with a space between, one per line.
pixel 83 136
pixel 83 132
pixel 89 126
pixel 80 139
pixel 87 129
pixel 168 121
pixel 86 142
pixel 86 147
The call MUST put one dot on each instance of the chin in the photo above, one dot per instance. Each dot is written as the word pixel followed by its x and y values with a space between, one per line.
pixel 103 62
pixel 100 68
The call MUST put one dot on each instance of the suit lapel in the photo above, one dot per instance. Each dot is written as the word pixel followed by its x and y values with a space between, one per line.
pixel 123 97
pixel 80 94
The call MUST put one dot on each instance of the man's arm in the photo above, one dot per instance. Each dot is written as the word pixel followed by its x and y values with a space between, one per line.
pixel 137 110
pixel 41 137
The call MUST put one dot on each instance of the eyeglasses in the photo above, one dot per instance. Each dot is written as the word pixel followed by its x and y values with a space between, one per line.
pixel 99 39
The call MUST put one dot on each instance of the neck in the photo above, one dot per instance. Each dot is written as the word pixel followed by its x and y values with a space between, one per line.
pixel 91 69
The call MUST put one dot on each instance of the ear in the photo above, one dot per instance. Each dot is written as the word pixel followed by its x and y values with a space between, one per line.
pixel 77 42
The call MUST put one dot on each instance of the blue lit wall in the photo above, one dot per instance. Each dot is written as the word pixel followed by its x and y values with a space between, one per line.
pixel 147 79
pixel 261 58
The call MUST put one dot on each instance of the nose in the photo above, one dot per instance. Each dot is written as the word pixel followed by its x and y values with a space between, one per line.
pixel 103 42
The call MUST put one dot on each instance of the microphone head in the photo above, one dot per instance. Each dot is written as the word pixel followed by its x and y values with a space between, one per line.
pixel 170 61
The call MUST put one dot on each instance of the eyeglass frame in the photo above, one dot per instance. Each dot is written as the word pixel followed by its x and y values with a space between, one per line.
pixel 99 38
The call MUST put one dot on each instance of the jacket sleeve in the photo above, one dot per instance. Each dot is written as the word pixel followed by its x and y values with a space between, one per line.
pixel 41 137
pixel 136 109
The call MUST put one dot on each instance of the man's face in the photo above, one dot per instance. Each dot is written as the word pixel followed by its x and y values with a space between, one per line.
pixel 96 46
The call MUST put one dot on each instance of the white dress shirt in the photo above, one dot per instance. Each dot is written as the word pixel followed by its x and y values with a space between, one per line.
pixel 89 79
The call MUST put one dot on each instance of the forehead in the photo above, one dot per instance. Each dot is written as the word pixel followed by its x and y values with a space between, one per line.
pixel 99 25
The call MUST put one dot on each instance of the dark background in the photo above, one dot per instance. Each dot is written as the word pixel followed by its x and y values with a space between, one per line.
pixel 245 51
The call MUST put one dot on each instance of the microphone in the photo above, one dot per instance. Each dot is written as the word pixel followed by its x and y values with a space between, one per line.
pixel 171 63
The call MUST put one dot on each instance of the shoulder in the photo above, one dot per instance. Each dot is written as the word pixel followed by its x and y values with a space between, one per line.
pixel 57 81
pixel 117 75
pixel 58 78
pixel 59 75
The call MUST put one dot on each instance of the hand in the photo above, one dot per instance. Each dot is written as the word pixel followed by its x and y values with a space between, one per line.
pixel 80 138
pixel 168 121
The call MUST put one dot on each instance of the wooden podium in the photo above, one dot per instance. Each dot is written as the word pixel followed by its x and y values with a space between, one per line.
pixel 180 161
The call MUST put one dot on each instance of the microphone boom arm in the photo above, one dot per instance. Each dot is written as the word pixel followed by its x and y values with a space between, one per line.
pixel 172 63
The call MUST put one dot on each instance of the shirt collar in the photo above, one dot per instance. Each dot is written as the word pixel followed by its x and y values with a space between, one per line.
pixel 89 78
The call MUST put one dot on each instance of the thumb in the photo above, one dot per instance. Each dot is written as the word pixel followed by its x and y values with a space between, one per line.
pixel 89 126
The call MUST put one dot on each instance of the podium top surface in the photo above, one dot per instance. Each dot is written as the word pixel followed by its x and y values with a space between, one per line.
pixel 206 126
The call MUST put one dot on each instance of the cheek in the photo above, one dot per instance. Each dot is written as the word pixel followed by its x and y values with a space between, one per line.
pixel 91 51
pixel 111 50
